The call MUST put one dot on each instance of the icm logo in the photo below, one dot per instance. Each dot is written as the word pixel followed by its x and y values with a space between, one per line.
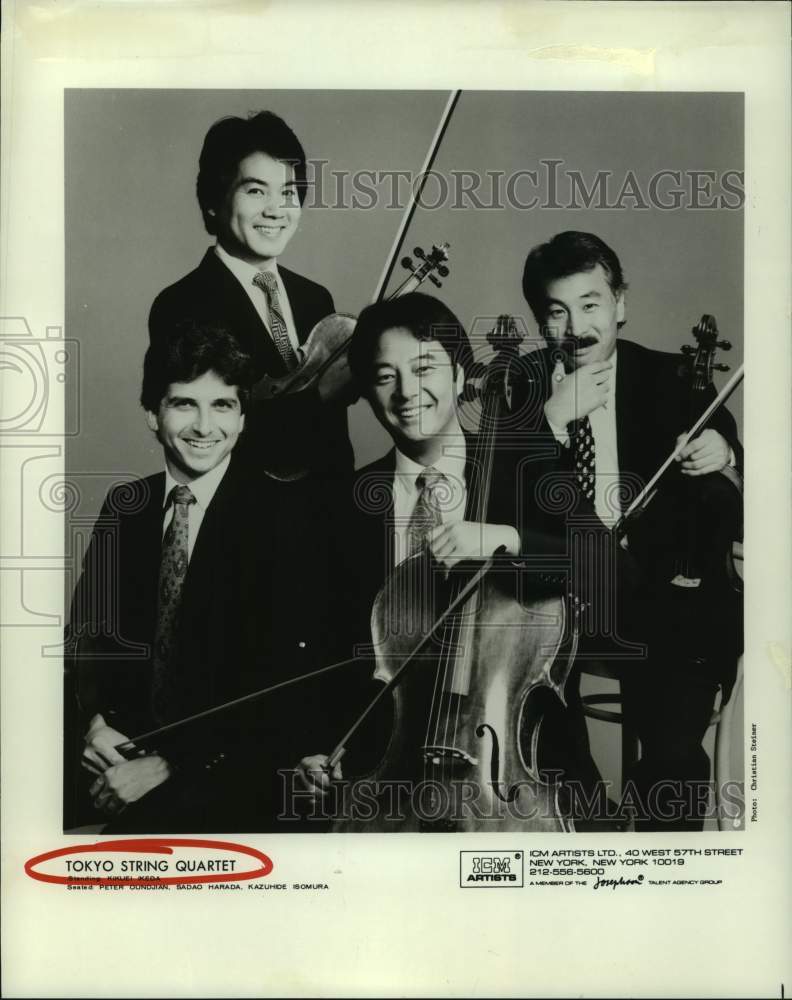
pixel 491 869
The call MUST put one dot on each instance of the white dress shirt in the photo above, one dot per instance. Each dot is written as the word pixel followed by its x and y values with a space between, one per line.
pixel 245 273
pixel 451 501
pixel 203 489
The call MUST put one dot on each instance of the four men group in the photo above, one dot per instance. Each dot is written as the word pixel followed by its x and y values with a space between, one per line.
pixel 220 577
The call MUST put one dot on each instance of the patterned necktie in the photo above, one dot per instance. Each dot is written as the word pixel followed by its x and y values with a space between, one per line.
pixel 173 569
pixel 426 513
pixel 265 280
pixel 584 455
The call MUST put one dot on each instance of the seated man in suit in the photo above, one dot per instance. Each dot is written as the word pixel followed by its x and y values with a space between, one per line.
pixel 617 410
pixel 251 187
pixel 410 356
pixel 186 601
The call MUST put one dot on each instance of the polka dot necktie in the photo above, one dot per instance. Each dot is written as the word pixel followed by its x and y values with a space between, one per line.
pixel 584 456
pixel 280 333
pixel 426 513
pixel 173 569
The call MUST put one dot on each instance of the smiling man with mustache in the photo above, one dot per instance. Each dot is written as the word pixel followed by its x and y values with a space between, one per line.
pixel 617 409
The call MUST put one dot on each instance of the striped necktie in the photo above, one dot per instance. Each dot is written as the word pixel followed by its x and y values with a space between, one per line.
pixel 173 569
pixel 265 280
pixel 426 513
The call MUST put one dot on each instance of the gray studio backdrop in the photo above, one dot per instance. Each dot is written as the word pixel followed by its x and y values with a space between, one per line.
pixel 513 169
pixel 133 226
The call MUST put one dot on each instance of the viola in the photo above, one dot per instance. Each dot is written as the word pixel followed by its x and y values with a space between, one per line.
pixel 688 543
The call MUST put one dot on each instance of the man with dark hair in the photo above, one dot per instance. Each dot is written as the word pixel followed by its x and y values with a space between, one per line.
pixel 410 357
pixel 426 317
pixel 193 351
pixel 617 410
pixel 251 186
pixel 185 603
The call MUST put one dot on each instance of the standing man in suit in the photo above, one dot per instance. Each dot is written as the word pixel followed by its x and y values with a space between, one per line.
pixel 182 584
pixel 251 187
pixel 617 410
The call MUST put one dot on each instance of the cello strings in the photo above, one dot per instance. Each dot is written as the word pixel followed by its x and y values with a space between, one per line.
pixel 480 490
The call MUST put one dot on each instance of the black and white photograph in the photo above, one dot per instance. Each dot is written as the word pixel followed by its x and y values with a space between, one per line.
pixel 395 440
pixel 503 481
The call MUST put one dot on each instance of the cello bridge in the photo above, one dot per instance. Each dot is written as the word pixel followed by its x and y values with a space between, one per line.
pixel 437 754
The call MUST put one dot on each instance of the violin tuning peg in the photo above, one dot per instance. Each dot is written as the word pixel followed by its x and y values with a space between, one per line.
pixel 435 282
pixel 407 262
pixel 724 345
pixel 419 253
pixel 687 349
pixel 443 272
pixel 721 368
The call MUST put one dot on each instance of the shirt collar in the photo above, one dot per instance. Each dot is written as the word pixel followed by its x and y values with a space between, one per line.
pixel 451 464
pixel 203 488
pixel 241 269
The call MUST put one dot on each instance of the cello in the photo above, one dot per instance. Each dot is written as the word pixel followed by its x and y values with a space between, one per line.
pixel 466 683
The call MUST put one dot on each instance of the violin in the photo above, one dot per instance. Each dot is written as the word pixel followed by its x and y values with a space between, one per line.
pixel 688 543
pixel 324 362
pixel 327 344
pixel 467 665
pixel 696 370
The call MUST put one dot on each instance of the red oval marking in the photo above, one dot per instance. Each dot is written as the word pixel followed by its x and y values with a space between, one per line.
pixel 149 845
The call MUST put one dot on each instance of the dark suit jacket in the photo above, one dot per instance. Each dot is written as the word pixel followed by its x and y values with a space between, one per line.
pixel 247 621
pixel 652 409
pixel 370 505
pixel 212 294
pixel 366 558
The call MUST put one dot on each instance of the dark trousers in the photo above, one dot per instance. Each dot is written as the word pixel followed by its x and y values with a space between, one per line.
pixel 670 707
pixel 565 755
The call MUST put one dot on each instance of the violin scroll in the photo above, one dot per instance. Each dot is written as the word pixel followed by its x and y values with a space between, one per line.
pixel 435 261
pixel 699 361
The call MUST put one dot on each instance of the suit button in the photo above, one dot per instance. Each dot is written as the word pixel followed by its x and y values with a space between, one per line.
pixel 301 645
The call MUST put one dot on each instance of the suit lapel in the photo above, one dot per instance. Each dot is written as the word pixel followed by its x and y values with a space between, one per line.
pixel 216 521
pixel 145 551
pixel 628 389
pixel 302 308
pixel 150 538
pixel 241 315
pixel 377 481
